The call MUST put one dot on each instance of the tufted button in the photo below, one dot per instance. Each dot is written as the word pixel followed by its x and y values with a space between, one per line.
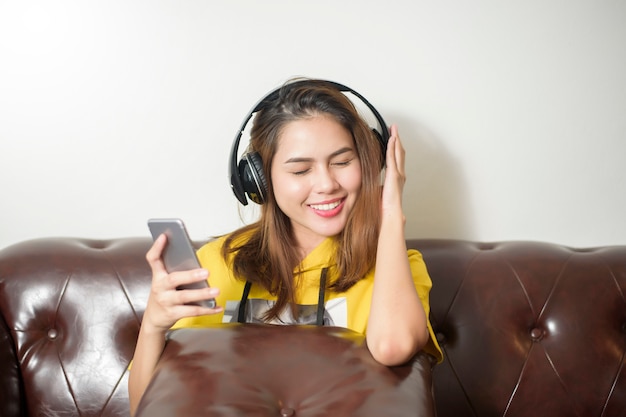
pixel 53 334
pixel 536 334
pixel 441 338
pixel 624 327
pixel 287 412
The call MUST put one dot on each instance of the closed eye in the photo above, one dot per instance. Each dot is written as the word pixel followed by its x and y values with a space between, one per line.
pixel 302 166
pixel 343 163
pixel 302 172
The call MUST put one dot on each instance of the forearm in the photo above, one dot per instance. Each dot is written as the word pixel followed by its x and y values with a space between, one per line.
pixel 397 326
pixel 149 348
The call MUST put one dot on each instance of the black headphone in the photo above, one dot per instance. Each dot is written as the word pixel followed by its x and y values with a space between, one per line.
pixel 247 176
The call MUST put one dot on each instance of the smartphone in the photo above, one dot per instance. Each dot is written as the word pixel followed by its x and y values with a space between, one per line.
pixel 179 253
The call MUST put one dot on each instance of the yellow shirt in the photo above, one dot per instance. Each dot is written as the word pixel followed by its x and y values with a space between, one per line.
pixel 349 309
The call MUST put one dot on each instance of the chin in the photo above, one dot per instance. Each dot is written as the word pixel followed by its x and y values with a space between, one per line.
pixel 331 231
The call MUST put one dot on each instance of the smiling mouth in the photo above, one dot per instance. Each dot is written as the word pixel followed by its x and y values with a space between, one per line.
pixel 325 207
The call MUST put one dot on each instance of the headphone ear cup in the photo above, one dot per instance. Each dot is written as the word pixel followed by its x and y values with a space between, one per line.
pixel 253 177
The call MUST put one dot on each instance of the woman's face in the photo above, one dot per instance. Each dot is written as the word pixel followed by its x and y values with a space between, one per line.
pixel 316 176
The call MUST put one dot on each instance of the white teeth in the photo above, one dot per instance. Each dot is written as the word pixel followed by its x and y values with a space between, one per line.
pixel 325 207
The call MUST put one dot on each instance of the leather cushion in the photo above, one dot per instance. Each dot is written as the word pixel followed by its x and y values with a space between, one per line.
pixel 265 370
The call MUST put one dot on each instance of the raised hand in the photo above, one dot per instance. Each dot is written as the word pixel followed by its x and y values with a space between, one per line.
pixel 395 176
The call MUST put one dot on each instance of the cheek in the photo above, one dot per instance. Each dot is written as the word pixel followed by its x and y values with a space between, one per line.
pixel 353 180
pixel 287 187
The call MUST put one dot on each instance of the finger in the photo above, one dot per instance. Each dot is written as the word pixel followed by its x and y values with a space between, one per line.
pixel 400 153
pixel 193 310
pixel 195 296
pixel 180 288
pixel 391 152
pixel 189 302
pixel 153 256
pixel 191 277
pixel 393 130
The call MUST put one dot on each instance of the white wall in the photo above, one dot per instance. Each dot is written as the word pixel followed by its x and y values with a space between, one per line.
pixel 512 113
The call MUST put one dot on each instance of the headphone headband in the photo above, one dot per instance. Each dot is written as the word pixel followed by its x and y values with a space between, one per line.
pixel 252 174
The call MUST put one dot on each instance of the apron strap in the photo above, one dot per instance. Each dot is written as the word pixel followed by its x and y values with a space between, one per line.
pixel 241 311
pixel 321 298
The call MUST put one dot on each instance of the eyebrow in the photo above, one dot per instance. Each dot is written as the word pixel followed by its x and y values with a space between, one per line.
pixel 332 155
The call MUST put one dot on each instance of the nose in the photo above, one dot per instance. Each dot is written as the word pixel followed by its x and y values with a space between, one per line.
pixel 325 180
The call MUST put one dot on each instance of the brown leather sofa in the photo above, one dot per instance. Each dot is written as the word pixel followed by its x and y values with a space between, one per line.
pixel 527 328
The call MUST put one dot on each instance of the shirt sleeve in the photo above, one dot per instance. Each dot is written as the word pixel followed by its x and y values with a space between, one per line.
pixel 423 285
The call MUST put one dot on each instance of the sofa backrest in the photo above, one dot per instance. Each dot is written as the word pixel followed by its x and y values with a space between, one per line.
pixel 528 328
pixel 71 309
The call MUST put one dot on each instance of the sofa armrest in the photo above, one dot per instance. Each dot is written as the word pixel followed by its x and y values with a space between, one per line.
pixel 266 370
pixel 10 383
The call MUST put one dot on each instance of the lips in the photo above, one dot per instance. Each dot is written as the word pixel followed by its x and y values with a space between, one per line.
pixel 325 206
pixel 328 209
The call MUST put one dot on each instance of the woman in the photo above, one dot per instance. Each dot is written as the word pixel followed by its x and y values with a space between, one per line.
pixel 327 231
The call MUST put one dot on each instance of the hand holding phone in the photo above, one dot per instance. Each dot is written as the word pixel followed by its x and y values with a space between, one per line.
pixel 179 253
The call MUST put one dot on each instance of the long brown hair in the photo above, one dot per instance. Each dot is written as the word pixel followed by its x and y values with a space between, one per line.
pixel 265 252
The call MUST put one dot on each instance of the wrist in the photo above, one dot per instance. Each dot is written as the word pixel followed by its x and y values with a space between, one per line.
pixel 393 219
pixel 150 329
